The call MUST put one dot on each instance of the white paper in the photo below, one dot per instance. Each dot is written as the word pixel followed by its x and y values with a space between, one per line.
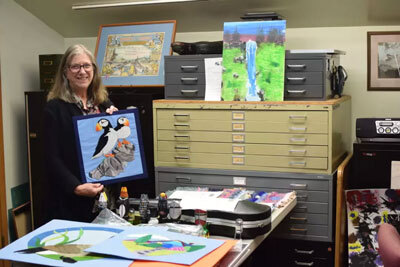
pixel 204 201
pixel 395 175
pixel 213 75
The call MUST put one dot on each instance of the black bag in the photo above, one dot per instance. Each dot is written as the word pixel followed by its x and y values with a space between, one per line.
pixel 247 221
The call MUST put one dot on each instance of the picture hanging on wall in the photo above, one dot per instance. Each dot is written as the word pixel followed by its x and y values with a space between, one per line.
pixel 253 61
pixel 383 61
pixel 132 54
pixel 110 147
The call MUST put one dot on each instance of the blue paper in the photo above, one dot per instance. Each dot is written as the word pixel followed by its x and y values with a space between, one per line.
pixel 66 235
pixel 157 245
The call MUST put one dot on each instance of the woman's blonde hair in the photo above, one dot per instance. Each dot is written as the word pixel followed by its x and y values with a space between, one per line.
pixel 61 89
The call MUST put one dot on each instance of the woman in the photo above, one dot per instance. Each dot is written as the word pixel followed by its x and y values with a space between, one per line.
pixel 77 91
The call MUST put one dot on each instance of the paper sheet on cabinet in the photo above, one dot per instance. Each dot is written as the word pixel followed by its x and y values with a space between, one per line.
pixel 395 175
pixel 204 200
pixel 213 75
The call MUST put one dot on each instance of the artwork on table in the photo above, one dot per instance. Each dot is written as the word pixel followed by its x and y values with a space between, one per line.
pixel 132 54
pixel 253 61
pixel 62 243
pixel 157 245
pixel 110 147
pixel 366 210
pixel 383 61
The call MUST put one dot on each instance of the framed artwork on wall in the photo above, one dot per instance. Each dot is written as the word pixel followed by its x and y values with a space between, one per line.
pixel 383 61
pixel 132 54
pixel 110 147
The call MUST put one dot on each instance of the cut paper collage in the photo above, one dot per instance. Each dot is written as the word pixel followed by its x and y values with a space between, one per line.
pixel 68 243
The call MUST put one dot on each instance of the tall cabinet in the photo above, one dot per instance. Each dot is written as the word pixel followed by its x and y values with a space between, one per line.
pixel 271 146
pixel 122 98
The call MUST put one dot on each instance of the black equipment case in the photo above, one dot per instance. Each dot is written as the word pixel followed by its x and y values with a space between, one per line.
pixel 247 221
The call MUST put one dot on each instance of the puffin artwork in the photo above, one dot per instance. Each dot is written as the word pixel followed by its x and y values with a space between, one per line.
pixel 122 129
pixel 107 140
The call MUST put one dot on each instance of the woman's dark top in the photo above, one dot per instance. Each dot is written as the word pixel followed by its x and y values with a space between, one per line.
pixel 61 163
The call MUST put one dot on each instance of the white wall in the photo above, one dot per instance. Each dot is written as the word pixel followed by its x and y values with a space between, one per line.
pixel 22 38
pixel 352 40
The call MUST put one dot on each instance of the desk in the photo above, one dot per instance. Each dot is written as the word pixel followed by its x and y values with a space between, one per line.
pixel 235 258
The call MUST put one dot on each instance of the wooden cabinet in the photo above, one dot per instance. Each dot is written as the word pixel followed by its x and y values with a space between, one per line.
pixel 287 136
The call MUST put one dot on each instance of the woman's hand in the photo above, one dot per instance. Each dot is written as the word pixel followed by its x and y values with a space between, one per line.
pixel 111 109
pixel 88 189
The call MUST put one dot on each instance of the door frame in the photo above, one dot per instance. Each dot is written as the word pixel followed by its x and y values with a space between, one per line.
pixel 3 199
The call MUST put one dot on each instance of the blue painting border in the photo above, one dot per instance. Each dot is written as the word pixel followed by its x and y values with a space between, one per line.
pixel 135 113
pixel 169 27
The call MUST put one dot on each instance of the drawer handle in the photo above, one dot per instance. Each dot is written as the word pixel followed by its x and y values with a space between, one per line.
pixel 300 263
pixel 181 124
pixel 298 229
pixel 298 129
pixel 48 80
pixel 189 92
pixel 181 157
pixel 181 115
pixel 296 78
pixel 47 62
pixel 297 163
pixel 191 80
pixel 189 68
pixel 297 139
pixel 181 135
pixel 301 209
pixel 308 252
pixel 298 151
pixel 292 66
pixel 186 179
pixel 32 135
pixel 302 197
pixel 181 147
pixel 298 186
pixel 298 219
pixel 298 117
pixel 297 92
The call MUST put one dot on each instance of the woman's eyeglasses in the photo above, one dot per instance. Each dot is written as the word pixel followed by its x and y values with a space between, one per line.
pixel 77 67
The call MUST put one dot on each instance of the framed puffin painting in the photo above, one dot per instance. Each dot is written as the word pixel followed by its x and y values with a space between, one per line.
pixel 110 147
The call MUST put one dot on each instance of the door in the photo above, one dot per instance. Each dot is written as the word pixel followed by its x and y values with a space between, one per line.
pixel 3 204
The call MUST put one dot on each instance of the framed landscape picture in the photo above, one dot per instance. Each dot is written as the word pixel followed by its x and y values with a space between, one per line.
pixel 110 147
pixel 132 54
pixel 383 61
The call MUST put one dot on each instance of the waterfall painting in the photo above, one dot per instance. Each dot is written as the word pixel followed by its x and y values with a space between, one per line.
pixel 253 61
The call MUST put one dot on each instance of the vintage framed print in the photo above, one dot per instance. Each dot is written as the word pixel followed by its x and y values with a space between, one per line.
pixel 132 54
pixel 110 147
pixel 383 61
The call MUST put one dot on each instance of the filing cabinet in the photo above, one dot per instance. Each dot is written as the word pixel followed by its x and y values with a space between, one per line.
pixel 308 75
pixel 311 218
pixel 185 76
pixel 48 66
pixel 309 137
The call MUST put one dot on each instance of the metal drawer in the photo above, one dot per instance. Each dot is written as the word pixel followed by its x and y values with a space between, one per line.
pixel 184 91
pixel 311 207
pixel 290 230
pixel 304 78
pixel 302 65
pixel 241 149
pixel 184 78
pixel 303 218
pixel 186 63
pixel 302 91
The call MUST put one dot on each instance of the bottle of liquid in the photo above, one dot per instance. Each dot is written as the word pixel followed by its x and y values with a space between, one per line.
pixel 123 202
pixel 162 208
pixel 144 208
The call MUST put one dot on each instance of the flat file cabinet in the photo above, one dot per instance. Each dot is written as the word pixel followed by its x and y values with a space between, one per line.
pixel 287 136
pixel 312 217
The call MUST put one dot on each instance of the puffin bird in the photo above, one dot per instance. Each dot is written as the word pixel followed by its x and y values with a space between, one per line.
pixel 123 131
pixel 107 140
